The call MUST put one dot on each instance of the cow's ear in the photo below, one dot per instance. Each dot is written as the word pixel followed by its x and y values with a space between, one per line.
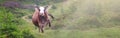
pixel 36 9
pixel 46 7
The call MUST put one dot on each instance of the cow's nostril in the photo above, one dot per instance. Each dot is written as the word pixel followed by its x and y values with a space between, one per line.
pixel 42 14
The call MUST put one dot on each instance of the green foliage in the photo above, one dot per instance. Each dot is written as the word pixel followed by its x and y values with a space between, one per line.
pixel 9 31
pixel 8 28
pixel 73 19
pixel 26 34
pixel 9 25
pixel 1 1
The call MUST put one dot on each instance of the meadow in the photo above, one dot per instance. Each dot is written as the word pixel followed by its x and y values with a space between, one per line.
pixel 73 19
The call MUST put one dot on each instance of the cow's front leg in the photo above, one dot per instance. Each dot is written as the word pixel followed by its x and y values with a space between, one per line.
pixel 41 27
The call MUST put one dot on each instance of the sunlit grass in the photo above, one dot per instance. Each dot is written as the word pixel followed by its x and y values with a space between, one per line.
pixel 93 33
pixel 82 19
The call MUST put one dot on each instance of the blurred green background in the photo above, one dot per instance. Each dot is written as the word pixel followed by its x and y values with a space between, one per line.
pixel 73 19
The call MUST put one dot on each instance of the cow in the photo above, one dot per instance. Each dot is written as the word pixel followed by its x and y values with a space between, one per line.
pixel 40 17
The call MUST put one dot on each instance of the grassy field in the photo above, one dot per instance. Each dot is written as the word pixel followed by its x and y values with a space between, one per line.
pixel 78 19
pixel 82 19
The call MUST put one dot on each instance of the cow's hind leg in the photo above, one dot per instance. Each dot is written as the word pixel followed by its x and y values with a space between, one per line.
pixel 49 23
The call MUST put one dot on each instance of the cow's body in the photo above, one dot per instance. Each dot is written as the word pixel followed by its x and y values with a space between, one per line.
pixel 40 20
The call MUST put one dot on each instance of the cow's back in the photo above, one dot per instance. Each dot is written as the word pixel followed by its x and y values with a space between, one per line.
pixel 35 19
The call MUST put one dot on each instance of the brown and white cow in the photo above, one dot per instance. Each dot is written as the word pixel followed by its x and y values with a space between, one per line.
pixel 40 18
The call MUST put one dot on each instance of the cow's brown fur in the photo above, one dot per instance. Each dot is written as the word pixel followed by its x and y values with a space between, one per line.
pixel 40 21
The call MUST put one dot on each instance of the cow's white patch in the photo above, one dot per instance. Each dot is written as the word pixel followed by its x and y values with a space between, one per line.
pixel 42 11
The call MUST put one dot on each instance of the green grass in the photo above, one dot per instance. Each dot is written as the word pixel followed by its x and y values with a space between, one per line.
pixel 93 33
pixel 80 19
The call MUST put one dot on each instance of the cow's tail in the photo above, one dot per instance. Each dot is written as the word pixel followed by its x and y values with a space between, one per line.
pixel 51 16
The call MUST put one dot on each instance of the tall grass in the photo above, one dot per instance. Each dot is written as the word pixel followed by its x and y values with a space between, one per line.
pixel 79 19
pixel 93 33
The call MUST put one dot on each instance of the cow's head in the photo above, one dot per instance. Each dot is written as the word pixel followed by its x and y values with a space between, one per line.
pixel 42 10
